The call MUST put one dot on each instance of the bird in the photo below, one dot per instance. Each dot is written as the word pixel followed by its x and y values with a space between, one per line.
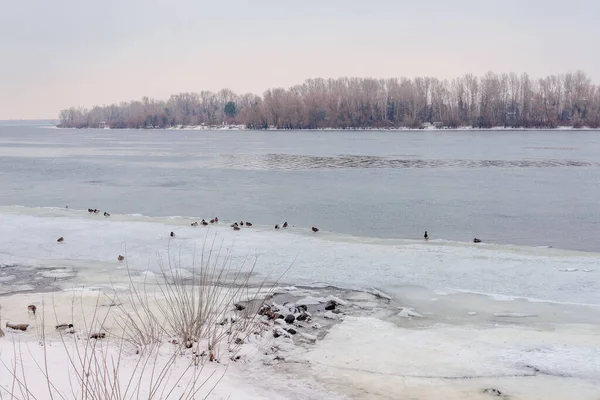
pixel 242 223
pixel 248 223
pixel 315 229
pixel 204 222
pixel 216 219
pixel 276 226
pixel 106 214
pixel 476 240
pixel 18 327
pixel 120 258
pixel 96 211
pixel 425 236
pixel 285 224
pixel 172 234
pixel 234 225
pixel 31 308
pixel 212 221
pixel 63 327
pixel 194 223
pixel 90 210
pixel 236 228
pixel 60 239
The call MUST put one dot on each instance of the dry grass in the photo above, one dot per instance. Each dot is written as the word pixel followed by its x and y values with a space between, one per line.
pixel 195 311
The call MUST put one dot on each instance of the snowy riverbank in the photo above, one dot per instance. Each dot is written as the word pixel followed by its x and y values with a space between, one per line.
pixel 410 319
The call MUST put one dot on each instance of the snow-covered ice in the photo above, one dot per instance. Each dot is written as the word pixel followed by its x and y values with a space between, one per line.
pixel 92 244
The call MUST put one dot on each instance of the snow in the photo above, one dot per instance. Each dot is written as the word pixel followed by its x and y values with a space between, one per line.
pixel 407 312
pixel 330 315
pixel 249 377
pixel 504 317
pixel 369 355
pixel 92 244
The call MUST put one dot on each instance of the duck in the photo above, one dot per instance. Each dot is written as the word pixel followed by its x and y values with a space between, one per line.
pixel 276 226
pixel 216 220
pixel 60 239
pixel 285 224
pixel 96 211
pixel 31 308
pixel 248 223
pixel 212 221
pixel 476 240
pixel 62 327
pixel 236 228
pixel 315 229
pixel 172 234
pixel 204 223
pixel 106 214
pixel 242 223
pixel 425 236
pixel 18 327
pixel 90 210
pixel 194 223
pixel 120 258
pixel 234 225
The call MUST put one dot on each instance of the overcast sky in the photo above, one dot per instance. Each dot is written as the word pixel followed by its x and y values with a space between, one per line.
pixel 61 53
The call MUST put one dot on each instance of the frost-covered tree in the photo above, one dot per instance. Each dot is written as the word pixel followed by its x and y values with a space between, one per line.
pixel 509 100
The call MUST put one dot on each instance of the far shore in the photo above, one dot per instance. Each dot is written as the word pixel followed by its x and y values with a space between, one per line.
pixel 391 129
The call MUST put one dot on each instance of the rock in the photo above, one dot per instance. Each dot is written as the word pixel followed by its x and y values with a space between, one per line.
pixel 337 301
pixel 493 392
pixel 263 309
pixel 330 305
pixel 239 307
pixel 274 315
pixel 303 317
pixel 329 315
pixel 290 318
pixel 291 331
pixel 277 332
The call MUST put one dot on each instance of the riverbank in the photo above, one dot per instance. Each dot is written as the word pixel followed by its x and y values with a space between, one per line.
pixel 429 127
pixel 305 343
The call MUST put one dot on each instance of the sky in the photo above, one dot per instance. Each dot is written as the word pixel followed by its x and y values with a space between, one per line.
pixel 62 53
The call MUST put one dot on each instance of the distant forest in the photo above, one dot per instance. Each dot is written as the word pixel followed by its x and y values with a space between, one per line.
pixel 493 100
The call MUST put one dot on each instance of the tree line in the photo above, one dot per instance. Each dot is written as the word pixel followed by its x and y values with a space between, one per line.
pixel 492 100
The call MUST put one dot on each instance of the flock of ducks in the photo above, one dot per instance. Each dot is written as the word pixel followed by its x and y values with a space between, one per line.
pixel 66 328
pixel 95 211
pixel 236 227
